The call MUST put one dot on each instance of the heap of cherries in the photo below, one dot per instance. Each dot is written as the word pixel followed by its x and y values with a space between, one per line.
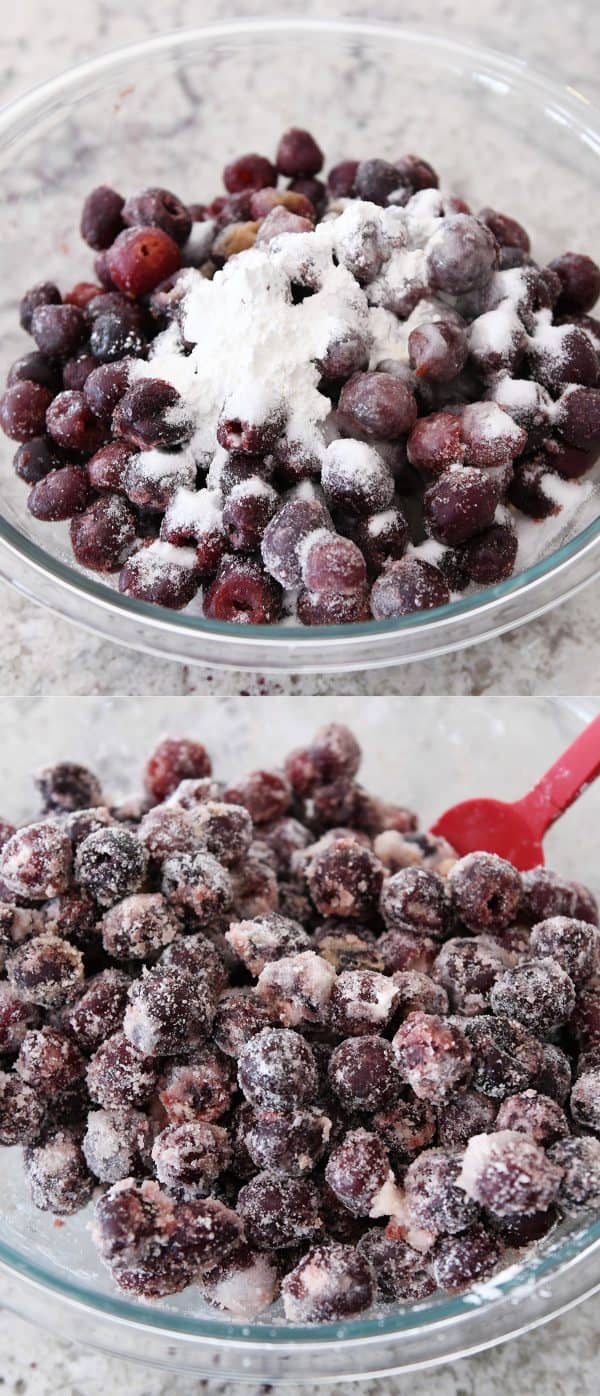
pixel 289 1042
pixel 82 422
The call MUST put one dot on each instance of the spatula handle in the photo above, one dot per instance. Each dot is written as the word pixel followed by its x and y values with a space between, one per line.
pixel 559 787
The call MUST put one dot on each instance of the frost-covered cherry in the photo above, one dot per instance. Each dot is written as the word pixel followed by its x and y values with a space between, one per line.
pixel 118 1075
pixel 435 1200
pixel 505 1057
pixel 537 993
pixel 358 1172
pixel 57 1173
pixel 460 503
pixel 265 794
pixel 469 1113
pixel 468 966
pixel 200 1087
pixel 547 894
pixel 405 950
pixel 461 255
pixel 22 1111
pixel 197 955
pixel 68 786
pixel 401 1273
pixel 418 993
pixel 297 988
pixel 464 1260
pixel 279 1211
pixel 263 939
pixel 239 1016
pixel 224 829
pixel 174 760
pixel 50 1061
pixel 46 970
pixel 485 891
pixel 17 1014
pixel 255 890
pixel 196 882
pixel 169 1011
pixel 361 1002
pixel 579 1163
pixel 116 1143
pixel 290 1142
pixel 585 1100
pixel 188 1158
pixel 410 584
pixel 571 943
pixel 433 1055
pixel 345 880
pixel 277 1070
pixel 36 861
pixel 111 864
pixel 332 1282
pixel 165 830
pixel 437 350
pixel 554 1075
pixel 98 1010
pixel 534 1114
pixel 139 927
pixel 244 1283
pixel 378 404
pixel 363 1073
pixel 508 1173
pixel 415 899
pixel 406 1126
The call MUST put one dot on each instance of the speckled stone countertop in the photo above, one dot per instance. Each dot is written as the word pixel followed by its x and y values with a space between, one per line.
pixel 556 653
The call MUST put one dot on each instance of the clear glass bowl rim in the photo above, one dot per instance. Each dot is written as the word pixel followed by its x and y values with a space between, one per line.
pixel 439 626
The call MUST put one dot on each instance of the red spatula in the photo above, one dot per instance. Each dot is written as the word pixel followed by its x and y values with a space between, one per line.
pixel 516 831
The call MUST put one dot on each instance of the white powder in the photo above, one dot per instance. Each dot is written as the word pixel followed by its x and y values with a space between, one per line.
pixel 199 511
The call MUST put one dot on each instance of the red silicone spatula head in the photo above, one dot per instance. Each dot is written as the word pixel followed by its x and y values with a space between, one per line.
pixel 515 831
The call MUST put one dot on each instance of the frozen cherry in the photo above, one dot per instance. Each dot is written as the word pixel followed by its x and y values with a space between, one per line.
pixel 151 414
pixel 68 786
pixel 468 967
pixel 580 283
pixel 468 1114
pixel 265 939
pixel 375 180
pixel 279 1211
pixel 332 1282
pixel 101 217
pixel 102 536
pixel 239 1016
pixel 433 1056
pixel 243 1284
pixel 506 230
pixel 265 794
pixel 363 1073
pixel 297 154
pixel 461 254
pixel 415 899
pixel 199 1087
pixel 466 1259
pixel 97 1013
pixel 345 880
pixel 169 1011
pixel 17 1014
pixel 508 1173
pixel 277 1070
pixel 505 1057
pixel 585 1099
pixel 290 1143
pixel 35 368
pixel 534 1114
pixel 35 459
pixel 578 418
pixel 572 944
pixel 341 177
pixel 58 330
pixel 198 883
pixel 111 864
pixel 46 970
pixel 362 1001
pixel 103 389
pixel 243 593
pixel 435 1201
pixel 174 760
pixel 159 208
pixel 438 350
pixel 43 293
pixel 417 993
pixel 60 494
pixel 411 584
pixel 141 257
pixel 50 1061
pixel 249 172
pixel 21 1111
pixel 579 1162
pixel 138 927
pixel 118 1075
pixel 378 404
pixel 460 503
pixel 57 1174
pixel 537 993
pixel 23 410
pixel 485 891
pixel 359 1174
pixel 490 556
pixel 116 1143
pixel 188 1158
pixel 402 1274
pixel 435 443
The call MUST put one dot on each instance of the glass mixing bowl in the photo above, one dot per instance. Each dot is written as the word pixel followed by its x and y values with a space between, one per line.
pixel 171 111
pixel 426 752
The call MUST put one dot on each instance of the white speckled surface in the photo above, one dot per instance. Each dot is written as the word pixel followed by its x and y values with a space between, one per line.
pixel 556 653
pixel 398 740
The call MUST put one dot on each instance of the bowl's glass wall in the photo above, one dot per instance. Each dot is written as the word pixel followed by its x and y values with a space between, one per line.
pixel 172 112
pixel 427 753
